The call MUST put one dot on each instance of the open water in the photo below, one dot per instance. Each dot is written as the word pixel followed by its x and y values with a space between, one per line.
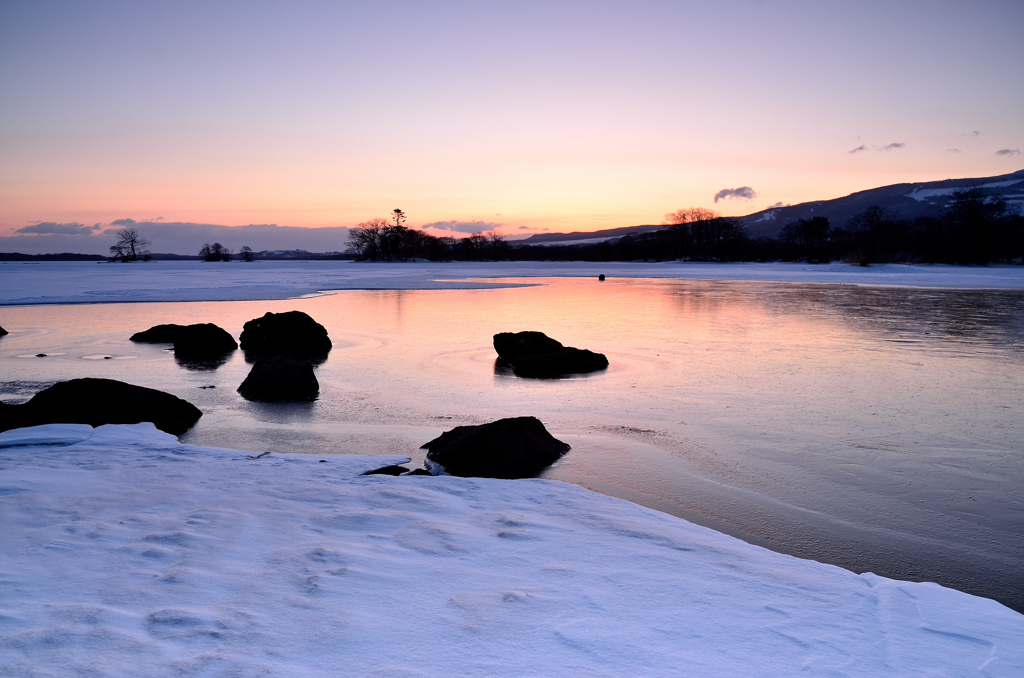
pixel 875 428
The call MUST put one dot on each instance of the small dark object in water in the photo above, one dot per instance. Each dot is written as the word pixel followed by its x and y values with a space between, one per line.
pixel 107 357
pixel 601 277
pixel 293 333
pixel 323 461
pixel 257 456
pixel 516 447
pixel 280 378
pixel 40 355
pixel 101 401
pixel 392 470
pixel 203 340
pixel 534 354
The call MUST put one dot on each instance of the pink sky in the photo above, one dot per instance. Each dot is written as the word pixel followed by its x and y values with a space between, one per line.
pixel 560 116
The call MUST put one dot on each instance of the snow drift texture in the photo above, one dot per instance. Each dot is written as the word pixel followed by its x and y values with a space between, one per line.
pixel 123 552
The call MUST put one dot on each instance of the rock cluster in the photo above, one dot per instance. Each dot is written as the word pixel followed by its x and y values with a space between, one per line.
pixel 284 346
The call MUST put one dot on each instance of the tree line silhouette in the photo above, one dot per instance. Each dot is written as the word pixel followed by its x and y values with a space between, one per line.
pixel 973 229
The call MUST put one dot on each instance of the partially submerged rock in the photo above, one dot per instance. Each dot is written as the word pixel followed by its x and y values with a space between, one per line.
pixel 202 344
pixel 101 401
pixel 2 331
pixel 159 334
pixel 517 447
pixel 203 340
pixel 280 378
pixel 513 345
pixel 293 333
pixel 534 354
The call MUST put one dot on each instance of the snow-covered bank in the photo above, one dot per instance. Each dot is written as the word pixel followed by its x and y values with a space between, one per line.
pixel 78 282
pixel 123 552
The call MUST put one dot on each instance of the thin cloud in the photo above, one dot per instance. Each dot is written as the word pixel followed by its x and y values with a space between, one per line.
pixel 860 148
pixel 779 204
pixel 1008 151
pixel 463 226
pixel 741 193
pixel 893 146
pixel 976 133
pixel 53 228
pixel 953 150
pixel 123 222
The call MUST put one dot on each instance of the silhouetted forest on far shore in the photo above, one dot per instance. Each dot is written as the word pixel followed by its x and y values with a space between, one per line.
pixel 974 229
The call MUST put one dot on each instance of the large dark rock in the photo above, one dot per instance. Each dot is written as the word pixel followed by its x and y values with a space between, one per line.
pixel 293 333
pixel 518 447
pixel 280 378
pixel 160 334
pixel 512 345
pixel 559 363
pixel 534 354
pixel 203 340
pixel 101 401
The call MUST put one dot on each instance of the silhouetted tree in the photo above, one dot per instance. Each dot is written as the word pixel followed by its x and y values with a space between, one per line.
pixel 807 239
pixel 974 223
pixel 129 246
pixel 876 235
pixel 247 253
pixel 215 252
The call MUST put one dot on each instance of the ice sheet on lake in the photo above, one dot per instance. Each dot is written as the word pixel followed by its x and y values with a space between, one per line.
pixel 77 282
pixel 127 553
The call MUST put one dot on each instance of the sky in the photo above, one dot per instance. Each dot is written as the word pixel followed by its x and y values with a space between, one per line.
pixel 516 117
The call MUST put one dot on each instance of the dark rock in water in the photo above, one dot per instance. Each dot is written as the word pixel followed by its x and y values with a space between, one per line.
pixel 601 277
pixel 518 447
pixel 420 472
pixel 293 333
pixel 512 345
pixel 2 331
pixel 160 334
pixel 101 401
pixel 203 340
pixel 559 363
pixel 280 378
pixel 40 355
pixel 393 470
pixel 534 354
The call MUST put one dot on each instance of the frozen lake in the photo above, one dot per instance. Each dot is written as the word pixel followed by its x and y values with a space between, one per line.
pixel 873 427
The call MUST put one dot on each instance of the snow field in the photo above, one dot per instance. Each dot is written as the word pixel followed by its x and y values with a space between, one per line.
pixel 84 283
pixel 124 552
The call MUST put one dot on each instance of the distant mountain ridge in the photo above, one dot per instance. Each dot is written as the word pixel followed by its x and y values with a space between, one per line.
pixel 908 201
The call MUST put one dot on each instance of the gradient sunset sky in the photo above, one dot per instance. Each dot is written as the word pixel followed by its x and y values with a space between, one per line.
pixel 556 115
